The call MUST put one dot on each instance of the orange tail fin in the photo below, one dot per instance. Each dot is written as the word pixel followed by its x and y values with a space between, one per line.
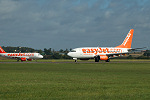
pixel 127 41
pixel 1 50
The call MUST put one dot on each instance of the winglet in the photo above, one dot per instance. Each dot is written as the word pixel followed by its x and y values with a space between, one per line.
pixel 1 50
pixel 127 41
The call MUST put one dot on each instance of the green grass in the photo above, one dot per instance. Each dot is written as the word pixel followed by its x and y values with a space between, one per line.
pixel 99 81
pixel 71 60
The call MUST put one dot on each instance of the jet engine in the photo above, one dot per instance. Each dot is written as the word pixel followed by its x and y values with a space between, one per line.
pixel 101 57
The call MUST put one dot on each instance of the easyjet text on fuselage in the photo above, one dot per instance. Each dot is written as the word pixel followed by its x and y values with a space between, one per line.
pixel 101 50
pixel 20 54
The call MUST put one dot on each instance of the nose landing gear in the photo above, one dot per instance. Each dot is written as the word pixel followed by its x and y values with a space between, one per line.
pixel 75 59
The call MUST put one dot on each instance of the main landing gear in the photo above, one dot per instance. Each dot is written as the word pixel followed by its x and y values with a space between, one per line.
pixel 97 58
pixel 17 60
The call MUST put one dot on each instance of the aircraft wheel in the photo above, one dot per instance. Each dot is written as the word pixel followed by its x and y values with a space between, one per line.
pixel 96 59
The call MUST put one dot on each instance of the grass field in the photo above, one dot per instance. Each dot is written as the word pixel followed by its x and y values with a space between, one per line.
pixel 3 59
pixel 54 81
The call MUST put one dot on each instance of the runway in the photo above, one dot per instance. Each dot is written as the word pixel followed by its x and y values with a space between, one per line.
pixel 80 62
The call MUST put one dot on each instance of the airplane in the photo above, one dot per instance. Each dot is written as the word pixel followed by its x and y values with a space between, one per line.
pixel 21 56
pixel 103 53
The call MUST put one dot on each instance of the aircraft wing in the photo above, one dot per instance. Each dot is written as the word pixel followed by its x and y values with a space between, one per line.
pixel 116 54
pixel 136 49
pixel 120 54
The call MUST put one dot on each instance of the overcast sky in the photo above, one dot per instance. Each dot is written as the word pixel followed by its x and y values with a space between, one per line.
pixel 61 24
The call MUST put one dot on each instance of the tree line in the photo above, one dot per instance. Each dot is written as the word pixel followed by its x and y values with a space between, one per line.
pixel 61 54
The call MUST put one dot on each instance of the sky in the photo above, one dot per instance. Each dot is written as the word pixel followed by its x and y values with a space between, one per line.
pixel 61 24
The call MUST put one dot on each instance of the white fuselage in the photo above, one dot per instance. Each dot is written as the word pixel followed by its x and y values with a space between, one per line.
pixel 22 55
pixel 91 52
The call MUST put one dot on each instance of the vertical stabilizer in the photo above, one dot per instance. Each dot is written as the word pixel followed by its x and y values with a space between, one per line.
pixel 1 50
pixel 127 41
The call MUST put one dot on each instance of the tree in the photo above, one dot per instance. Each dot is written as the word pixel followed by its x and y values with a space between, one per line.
pixel 147 53
pixel 47 52
pixel 40 51
pixel 61 50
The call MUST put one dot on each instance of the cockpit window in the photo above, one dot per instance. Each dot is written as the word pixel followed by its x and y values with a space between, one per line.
pixel 73 50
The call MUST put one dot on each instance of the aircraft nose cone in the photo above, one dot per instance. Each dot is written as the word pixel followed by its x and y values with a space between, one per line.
pixel 41 56
pixel 68 54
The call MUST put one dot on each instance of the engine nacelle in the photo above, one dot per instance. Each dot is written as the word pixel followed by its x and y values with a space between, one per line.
pixel 103 57
pixel 23 59
pixel 29 59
